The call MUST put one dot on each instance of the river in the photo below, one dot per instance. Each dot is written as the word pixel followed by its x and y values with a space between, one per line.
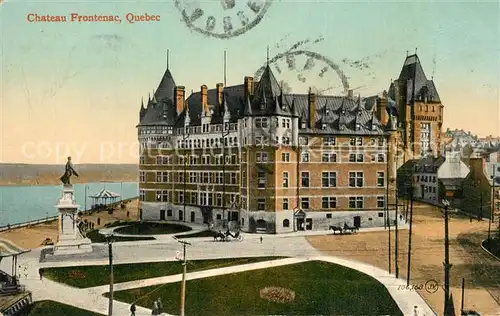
pixel 20 204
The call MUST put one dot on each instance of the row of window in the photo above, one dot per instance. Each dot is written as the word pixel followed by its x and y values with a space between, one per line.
pixel 215 199
pixel 215 142
pixel 328 179
pixel 196 198
pixel 195 160
pixel 327 202
pixel 325 157
pixel 426 179
pixel 263 122
pixel 193 177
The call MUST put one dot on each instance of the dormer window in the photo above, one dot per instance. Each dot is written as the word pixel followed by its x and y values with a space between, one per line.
pixel 303 125
pixel 327 112
pixel 263 106
pixel 358 126
pixel 323 126
pixel 374 127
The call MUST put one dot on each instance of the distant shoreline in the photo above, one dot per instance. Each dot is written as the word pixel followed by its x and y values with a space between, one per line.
pixel 31 174
pixel 57 182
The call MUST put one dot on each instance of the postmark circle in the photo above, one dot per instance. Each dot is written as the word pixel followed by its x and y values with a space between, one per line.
pixel 330 64
pixel 222 26
pixel 431 286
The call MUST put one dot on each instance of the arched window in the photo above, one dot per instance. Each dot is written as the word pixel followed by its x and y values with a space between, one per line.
pixel 286 223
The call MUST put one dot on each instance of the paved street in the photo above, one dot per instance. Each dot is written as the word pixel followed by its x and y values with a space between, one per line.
pixel 145 251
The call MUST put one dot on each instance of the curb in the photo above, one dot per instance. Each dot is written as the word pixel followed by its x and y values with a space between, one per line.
pixel 488 252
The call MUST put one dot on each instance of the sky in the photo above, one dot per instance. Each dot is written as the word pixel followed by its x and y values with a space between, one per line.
pixel 76 88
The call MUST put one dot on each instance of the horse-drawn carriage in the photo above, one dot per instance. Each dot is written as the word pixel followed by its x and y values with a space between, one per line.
pixel 227 236
pixel 344 230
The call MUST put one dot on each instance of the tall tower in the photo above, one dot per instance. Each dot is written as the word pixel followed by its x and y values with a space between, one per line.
pixel 420 110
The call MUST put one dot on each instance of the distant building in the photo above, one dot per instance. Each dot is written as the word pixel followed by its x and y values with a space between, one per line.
pixel 451 174
pixel 481 187
pixel 426 181
pixel 264 160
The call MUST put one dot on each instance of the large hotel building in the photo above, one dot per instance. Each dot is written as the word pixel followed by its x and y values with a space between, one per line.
pixel 254 157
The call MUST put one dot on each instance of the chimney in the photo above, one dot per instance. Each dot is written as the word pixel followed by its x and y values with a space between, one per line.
pixel 350 94
pixel 180 96
pixel 383 115
pixel 249 86
pixel 312 109
pixel 220 91
pixel 204 98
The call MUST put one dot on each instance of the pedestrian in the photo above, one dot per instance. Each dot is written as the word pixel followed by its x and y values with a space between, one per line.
pixel 128 213
pixel 261 239
pixel 98 221
pixel 160 306
pixel 132 309
pixel 155 308
pixel 40 272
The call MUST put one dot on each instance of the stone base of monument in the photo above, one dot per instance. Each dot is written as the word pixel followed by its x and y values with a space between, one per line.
pixel 70 241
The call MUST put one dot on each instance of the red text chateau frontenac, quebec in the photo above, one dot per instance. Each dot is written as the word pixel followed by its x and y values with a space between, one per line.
pixel 75 17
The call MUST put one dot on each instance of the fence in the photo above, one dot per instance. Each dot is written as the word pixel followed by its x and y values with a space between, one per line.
pixel 29 223
pixel 55 217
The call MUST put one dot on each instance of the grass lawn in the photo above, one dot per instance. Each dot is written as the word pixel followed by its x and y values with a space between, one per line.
pixel 493 246
pixel 89 276
pixel 44 308
pixel 147 228
pixel 203 233
pixel 94 236
pixel 320 288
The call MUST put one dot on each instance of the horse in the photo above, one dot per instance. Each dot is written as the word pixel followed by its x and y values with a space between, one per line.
pixel 219 235
pixel 335 229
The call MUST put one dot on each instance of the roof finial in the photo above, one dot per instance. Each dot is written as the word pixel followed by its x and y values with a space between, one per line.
pixel 149 96
pixel 224 68
pixel 268 55
pixel 415 50
pixel 406 53
pixel 168 52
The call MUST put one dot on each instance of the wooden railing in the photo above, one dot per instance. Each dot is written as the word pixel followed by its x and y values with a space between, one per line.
pixel 28 223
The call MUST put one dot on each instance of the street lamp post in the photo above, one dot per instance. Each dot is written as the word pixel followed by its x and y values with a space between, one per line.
pixel 446 264
pixel 184 271
pixel 111 274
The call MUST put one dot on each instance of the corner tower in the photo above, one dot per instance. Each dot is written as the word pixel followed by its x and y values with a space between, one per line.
pixel 420 110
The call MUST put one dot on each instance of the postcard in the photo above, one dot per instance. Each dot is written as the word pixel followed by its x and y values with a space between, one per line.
pixel 249 157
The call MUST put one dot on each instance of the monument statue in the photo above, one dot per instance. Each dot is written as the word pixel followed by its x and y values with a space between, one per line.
pixel 69 171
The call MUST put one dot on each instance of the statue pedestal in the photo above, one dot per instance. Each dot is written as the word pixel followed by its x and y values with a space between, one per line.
pixel 70 240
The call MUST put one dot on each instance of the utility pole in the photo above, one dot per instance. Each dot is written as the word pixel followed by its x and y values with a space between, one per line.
pixel 111 275
pixel 386 204
pixel 447 265
pixel 463 295
pixel 185 136
pixel 184 270
pixel 396 263
pixel 408 273
pixel 224 134
pixel 481 208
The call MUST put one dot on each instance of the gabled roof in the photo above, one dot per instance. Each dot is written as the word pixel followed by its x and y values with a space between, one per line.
pixel 453 167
